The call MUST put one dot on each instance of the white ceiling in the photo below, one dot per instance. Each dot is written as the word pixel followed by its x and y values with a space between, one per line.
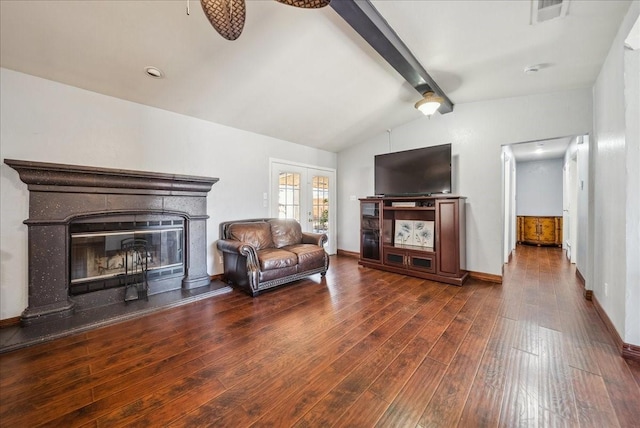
pixel 540 150
pixel 301 75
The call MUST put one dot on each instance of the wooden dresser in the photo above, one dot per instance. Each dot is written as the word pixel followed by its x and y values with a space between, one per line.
pixel 540 230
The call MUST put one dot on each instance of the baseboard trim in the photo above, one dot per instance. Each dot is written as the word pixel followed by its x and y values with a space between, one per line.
pixel 486 277
pixel 631 352
pixel 627 350
pixel 588 294
pixel 607 322
pixel 10 322
pixel 345 253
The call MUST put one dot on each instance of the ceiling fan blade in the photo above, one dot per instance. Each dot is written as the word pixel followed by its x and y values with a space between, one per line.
pixel 226 16
pixel 306 4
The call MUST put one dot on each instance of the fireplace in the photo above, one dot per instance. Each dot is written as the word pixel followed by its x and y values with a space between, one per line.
pixel 112 254
pixel 94 233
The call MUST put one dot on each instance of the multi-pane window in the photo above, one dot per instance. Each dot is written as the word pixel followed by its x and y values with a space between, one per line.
pixel 320 203
pixel 289 195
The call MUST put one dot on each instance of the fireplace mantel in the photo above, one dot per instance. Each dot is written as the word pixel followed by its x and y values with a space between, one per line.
pixel 61 194
pixel 44 176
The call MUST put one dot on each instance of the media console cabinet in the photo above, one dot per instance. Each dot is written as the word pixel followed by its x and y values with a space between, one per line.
pixel 422 236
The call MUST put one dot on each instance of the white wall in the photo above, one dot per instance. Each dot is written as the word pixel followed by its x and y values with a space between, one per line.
pixel 50 122
pixel 539 188
pixel 477 131
pixel 616 161
pixel 632 116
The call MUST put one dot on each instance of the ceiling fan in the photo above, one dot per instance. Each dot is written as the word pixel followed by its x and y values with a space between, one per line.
pixel 227 16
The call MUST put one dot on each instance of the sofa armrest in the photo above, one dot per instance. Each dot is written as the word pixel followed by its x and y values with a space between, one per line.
pixel 238 247
pixel 314 238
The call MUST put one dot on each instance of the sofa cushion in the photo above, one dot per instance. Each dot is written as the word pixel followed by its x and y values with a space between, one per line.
pixel 310 256
pixel 285 232
pixel 274 258
pixel 258 234
pixel 274 274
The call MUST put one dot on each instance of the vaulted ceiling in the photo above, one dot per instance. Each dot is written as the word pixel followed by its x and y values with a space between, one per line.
pixel 304 75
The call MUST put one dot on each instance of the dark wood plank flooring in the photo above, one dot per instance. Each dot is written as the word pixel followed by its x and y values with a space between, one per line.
pixel 361 348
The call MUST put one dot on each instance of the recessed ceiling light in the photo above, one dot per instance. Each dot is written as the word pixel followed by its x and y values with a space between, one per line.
pixel 154 72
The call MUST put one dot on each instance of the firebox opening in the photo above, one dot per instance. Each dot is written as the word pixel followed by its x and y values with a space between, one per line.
pixel 100 258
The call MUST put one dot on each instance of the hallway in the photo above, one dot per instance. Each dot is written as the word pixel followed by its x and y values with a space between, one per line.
pixel 562 356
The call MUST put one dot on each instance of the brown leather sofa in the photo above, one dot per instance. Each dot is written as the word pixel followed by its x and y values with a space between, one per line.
pixel 259 254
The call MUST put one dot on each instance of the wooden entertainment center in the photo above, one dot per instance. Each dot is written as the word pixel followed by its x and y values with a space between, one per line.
pixel 438 251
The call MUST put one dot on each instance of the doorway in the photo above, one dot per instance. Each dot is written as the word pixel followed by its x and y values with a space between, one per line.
pixel 550 187
pixel 307 194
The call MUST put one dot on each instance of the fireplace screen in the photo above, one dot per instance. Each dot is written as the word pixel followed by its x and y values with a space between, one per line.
pixel 99 259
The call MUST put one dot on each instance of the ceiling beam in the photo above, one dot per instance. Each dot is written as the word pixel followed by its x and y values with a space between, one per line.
pixel 367 21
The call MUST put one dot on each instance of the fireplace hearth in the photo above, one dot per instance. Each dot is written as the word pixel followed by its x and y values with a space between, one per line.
pixel 81 221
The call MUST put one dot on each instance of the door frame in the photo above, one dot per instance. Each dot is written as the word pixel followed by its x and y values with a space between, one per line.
pixel 331 172
pixel 509 218
pixel 581 225
pixel 570 203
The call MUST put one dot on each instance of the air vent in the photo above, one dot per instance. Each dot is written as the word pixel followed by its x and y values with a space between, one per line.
pixel 546 10
pixel 543 4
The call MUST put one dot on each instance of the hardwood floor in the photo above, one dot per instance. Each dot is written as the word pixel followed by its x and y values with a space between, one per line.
pixel 360 348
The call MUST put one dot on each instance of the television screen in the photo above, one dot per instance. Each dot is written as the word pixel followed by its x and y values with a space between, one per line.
pixel 421 171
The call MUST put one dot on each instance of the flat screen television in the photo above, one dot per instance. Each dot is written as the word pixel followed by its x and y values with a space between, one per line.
pixel 423 171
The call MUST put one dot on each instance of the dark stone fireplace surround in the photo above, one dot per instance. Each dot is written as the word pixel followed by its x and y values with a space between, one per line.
pixel 60 195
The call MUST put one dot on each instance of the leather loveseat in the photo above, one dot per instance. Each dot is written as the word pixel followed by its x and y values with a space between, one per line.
pixel 259 254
